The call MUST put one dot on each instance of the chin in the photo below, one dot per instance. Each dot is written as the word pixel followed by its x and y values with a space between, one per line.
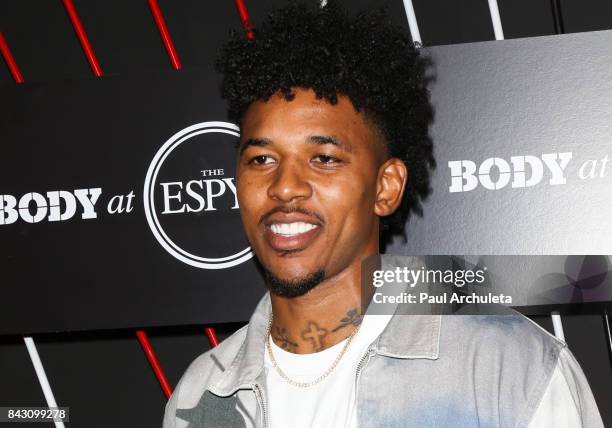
pixel 286 273
pixel 288 264
pixel 293 286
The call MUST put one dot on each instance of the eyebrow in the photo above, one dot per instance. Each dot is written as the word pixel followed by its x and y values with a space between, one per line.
pixel 330 139
pixel 312 139
pixel 257 142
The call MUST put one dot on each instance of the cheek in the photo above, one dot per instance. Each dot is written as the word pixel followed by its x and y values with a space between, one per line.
pixel 248 200
pixel 351 200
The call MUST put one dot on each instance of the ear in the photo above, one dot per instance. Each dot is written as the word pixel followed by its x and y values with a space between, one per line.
pixel 390 185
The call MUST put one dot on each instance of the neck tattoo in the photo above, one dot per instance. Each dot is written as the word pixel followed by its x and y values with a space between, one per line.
pixel 315 335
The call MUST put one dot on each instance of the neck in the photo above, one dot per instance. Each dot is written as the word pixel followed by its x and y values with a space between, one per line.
pixel 324 316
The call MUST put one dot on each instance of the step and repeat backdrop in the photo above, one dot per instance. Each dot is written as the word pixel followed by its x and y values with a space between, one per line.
pixel 523 140
pixel 118 202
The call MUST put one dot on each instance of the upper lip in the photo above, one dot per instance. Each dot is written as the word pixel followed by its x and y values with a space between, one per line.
pixel 291 218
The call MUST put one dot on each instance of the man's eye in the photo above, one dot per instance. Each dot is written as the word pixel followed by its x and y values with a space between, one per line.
pixel 261 160
pixel 327 160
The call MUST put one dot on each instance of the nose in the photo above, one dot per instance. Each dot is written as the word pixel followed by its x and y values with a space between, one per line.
pixel 289 183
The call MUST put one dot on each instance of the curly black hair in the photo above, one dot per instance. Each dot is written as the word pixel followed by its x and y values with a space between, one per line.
pixel 363 57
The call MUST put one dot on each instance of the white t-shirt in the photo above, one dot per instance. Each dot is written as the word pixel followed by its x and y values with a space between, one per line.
pixel 332 403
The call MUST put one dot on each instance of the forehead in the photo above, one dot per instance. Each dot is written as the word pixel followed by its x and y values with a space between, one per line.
pixel 304 116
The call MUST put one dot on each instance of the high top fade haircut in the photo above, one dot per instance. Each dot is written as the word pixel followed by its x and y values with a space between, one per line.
pixel 364 57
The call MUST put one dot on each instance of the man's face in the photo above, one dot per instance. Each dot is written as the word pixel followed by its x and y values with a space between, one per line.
pixel 307 184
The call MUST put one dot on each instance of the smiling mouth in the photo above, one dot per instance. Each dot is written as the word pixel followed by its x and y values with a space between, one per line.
pixel 292 229
pixel 292 237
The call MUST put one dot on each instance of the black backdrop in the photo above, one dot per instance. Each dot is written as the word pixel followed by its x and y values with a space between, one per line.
pixel 108 366
pixel 110 271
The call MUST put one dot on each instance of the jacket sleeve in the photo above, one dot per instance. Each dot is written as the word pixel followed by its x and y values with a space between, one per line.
pixel 568 400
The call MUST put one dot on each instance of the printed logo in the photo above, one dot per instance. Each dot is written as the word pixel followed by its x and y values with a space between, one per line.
pixel 496 173
pixel 190 199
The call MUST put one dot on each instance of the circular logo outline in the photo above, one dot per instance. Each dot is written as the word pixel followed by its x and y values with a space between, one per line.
pixel 149 204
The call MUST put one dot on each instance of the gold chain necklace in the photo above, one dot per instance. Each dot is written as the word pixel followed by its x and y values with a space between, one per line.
pixel 318 379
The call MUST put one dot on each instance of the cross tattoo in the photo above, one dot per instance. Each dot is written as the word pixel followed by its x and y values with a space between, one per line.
pixel 315 335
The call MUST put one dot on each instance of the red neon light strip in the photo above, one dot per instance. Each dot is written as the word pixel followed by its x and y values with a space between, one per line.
pixel 165 34
pixel 212 336
pixel 157 368
pixel 245 19
pixel 83 39
pixel 10 60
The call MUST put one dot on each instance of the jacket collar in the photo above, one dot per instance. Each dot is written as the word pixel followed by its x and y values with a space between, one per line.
pixel 411 336
pixel 406 336
pixel 248 364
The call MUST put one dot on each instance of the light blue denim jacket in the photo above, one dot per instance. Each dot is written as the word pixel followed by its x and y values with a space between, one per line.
pixel 422 371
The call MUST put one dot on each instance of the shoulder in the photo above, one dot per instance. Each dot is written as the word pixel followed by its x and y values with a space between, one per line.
pixel 206 368
pixel 568 400
pixel 511 334
pixel 511 359
pixel 204 371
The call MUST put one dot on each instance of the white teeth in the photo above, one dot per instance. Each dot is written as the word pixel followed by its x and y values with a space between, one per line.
pixel 290 229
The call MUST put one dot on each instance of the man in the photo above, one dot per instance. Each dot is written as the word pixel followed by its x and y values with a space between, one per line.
pixel 334 115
